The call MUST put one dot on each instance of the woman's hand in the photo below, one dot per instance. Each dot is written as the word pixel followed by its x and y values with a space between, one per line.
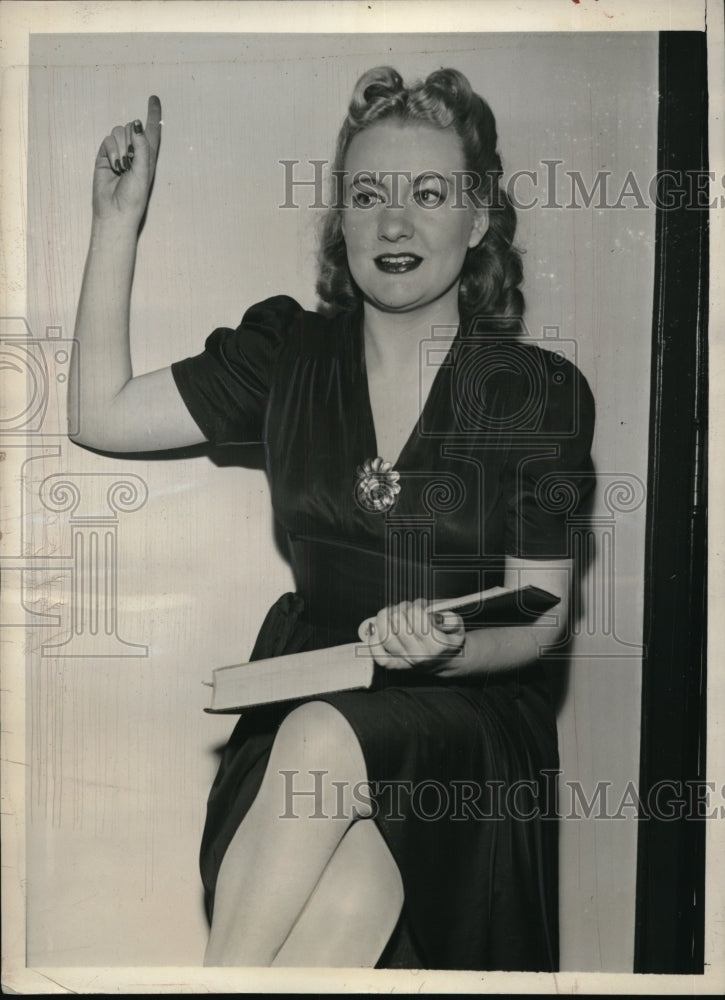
pixel 125 166
pixel 408 635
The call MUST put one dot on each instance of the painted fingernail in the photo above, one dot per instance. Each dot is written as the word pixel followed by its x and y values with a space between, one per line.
pixel 137 126
pixel 126 164
pixel 438 619
pixel 117 166
pixel 371 628
pixel 131 152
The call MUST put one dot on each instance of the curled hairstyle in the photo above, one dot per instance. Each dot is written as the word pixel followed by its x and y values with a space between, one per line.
pixel 492 271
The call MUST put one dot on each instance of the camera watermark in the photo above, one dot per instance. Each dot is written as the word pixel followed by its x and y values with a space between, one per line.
pixel 66 553
pixel 500 394
pixel 312 184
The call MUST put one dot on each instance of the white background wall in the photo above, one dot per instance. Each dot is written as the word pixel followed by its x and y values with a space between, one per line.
pixel 121 752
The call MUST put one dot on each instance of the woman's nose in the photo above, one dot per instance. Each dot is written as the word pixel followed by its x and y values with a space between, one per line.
pixel 395 223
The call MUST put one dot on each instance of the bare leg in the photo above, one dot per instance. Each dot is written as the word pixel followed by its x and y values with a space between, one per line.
pixel 353 909
pixel 273 864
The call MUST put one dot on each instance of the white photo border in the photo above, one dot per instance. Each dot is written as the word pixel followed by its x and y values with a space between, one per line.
pixel 17 22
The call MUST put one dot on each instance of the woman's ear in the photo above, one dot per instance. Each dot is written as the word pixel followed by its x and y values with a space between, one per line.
pixel 480 227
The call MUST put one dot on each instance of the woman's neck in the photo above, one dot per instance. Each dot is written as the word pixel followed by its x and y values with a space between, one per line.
pixel 399 375
pixel 391 339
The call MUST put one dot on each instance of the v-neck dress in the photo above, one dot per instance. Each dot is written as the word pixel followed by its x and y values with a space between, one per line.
pixel 462 774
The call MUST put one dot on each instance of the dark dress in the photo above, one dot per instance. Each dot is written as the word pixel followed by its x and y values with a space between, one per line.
pixel 462 773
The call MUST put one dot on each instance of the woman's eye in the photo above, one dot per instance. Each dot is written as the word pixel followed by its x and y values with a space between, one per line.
pixel 363 199
pixel 430 197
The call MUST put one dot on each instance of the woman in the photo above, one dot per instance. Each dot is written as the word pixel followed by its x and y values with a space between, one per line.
pixel 410 441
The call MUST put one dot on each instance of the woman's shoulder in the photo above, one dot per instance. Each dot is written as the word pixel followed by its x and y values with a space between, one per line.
pixel 277 314
pixel 270 330
pixel 556 361
pixel 283 319
pixel 526 385
pixel 566 400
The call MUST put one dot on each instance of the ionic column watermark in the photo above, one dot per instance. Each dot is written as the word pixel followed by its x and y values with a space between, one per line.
pixel 93 503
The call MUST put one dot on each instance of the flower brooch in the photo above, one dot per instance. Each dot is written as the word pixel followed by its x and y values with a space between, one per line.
pixel 377 486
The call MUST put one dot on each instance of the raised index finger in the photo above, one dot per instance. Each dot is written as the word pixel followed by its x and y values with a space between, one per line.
pixel 153 121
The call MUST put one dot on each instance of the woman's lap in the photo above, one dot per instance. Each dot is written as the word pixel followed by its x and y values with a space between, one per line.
pixel 441 763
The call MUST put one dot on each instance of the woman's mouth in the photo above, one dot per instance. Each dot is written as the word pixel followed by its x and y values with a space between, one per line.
pixel 397 263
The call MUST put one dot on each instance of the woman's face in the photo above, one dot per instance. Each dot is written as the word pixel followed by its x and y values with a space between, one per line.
pixel 406 223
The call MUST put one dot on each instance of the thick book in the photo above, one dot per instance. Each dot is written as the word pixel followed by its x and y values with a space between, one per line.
pixel 344 668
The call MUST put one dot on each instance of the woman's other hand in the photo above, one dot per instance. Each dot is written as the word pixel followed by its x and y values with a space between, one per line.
pixel 125 167
pixel 409 635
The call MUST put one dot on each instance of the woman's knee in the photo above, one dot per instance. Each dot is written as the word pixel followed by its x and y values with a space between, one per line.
pixel 317 733
pixel 372 868
pixel 316 746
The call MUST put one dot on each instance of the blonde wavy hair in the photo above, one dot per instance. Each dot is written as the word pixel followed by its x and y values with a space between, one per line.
pixel 492 271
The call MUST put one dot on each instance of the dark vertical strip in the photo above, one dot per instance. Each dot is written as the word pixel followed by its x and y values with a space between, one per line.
pixel 671 852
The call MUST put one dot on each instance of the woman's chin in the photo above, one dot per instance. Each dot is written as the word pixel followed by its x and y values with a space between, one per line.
pixel 398 307
pixel 409 297
pixel 395 305
pixel 396 302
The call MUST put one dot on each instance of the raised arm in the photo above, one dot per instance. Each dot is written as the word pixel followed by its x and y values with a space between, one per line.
pixel 120 412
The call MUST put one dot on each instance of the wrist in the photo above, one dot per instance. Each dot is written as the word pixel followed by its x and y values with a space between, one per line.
pixel 451 662
pixel 114 229
pixel 458 659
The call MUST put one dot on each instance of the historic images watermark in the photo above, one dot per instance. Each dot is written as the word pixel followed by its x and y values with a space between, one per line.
pixel 311 794
pixel 312 184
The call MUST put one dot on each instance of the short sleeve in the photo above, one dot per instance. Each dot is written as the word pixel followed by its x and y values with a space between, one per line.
pixel 550 476
pixel 226 387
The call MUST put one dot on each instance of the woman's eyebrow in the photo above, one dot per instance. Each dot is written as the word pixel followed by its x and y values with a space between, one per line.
pixel 388 182
pixel 377 178
pixel 380 177
pixel 426 175
pixel 366 177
